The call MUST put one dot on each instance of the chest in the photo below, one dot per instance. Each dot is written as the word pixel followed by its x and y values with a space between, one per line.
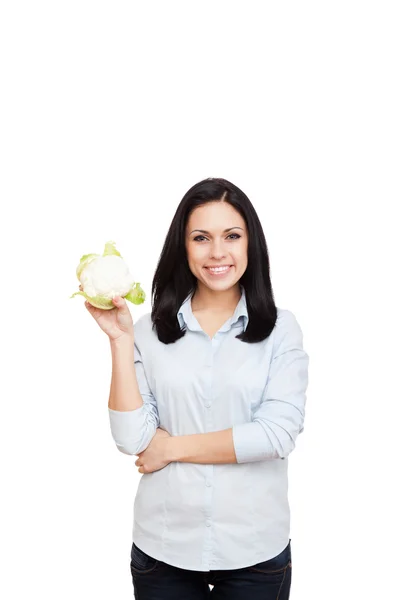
pixel 202 384
pixel 211 322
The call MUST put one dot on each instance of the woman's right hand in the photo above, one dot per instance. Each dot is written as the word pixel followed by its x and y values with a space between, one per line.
pixel 117 322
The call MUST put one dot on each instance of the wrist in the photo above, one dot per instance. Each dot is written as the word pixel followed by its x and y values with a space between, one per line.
pixel 173 449
pixel 122 341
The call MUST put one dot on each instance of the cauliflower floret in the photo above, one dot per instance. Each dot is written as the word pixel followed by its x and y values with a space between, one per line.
pixel 106 276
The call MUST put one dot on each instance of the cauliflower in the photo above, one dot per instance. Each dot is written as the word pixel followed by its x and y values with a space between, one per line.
pixel 104 277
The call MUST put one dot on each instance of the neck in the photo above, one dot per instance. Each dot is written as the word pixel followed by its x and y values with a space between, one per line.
pixel 225 300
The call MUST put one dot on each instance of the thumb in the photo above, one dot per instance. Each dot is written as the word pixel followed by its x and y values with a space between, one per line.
pixel 120 303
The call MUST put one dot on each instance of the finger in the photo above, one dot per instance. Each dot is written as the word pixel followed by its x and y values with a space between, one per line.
pixel 120 303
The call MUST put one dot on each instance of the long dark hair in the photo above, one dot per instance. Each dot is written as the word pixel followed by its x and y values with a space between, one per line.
pixel 173 280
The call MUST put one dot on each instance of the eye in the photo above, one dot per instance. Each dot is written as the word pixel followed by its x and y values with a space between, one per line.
pixel 196 239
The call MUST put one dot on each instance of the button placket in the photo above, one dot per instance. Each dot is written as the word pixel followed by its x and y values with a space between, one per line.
pixel 207 403
pixel 210 364
pixel 208 549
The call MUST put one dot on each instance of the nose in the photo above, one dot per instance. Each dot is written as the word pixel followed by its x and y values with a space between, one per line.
pixel 217 250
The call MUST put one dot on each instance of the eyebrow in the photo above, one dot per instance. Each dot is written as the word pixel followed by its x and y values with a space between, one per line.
pixel 225 230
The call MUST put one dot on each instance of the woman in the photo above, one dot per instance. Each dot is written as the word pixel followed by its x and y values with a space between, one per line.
pixel 209 391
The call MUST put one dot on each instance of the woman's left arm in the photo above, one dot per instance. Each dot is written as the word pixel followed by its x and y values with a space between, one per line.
pixel 203 448
pixel 280 417
pixel 275 425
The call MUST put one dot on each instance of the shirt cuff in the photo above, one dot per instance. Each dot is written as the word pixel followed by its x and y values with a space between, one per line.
pixel 126 427
pixel 251 443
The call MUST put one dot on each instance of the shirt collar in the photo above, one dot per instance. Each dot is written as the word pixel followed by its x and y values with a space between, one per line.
pixel 186 317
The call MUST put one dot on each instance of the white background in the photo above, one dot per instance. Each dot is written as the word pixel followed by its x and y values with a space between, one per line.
pixel 110 111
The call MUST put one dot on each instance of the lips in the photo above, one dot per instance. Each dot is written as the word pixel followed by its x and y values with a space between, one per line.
pixel 219 274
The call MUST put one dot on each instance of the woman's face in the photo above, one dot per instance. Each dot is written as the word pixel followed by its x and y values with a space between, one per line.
pixel 213 246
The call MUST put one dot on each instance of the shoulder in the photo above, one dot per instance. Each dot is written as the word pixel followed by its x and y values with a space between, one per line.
pixel 146 318
pixel 286 325
pixel 143 334
pixel 144 324
pixel 285 318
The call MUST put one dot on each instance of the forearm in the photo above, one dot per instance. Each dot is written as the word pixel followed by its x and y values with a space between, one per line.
pixel 124 389
pixel 132 425
pixel 203 448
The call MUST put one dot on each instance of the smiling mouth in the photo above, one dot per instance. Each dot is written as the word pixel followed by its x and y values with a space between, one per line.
pixel 219 271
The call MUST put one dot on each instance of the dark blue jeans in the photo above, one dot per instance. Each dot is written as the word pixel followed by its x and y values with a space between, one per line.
pixel 156 580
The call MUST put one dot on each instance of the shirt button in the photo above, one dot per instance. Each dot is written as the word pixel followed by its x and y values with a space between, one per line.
pixel 208 404
pixel 208 483
pixel 208 523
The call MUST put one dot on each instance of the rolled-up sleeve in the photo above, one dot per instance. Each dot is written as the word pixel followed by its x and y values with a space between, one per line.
pixel 133 430
pixel 280 418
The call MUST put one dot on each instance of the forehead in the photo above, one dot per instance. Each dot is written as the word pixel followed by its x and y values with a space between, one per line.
pixel 214 216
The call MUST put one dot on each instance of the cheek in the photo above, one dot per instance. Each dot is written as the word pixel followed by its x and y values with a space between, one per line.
pixel 198 255
pixel 191 254
pixel 240 254
pixel 243 251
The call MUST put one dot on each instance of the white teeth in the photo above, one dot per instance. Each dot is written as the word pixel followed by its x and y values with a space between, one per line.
pixel 218 270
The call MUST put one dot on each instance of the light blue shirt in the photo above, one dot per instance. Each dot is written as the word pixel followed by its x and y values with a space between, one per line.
pixel 216 516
